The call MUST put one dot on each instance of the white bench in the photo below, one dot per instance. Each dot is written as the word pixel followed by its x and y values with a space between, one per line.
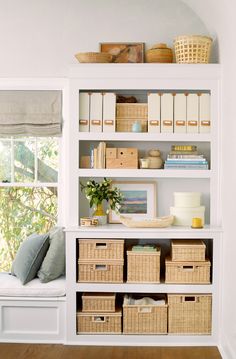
pixel 32 313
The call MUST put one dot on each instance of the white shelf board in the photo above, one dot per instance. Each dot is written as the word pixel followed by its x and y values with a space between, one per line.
pixel 120 231
pixel 145 136
pixel 144 288
pixel 144 340
pixel 142 173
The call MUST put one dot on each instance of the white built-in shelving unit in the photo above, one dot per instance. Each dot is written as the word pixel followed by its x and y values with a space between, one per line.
pixel 143 77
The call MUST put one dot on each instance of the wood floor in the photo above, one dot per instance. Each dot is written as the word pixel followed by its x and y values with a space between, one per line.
pixel 41 351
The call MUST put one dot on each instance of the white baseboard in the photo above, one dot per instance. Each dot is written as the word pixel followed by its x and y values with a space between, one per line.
pixel 226 349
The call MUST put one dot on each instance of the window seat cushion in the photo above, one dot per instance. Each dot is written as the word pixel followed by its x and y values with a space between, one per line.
pixel 10 286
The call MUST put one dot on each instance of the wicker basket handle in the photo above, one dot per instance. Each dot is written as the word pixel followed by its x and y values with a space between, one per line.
pixel 189 268
pixel 145 310
pixel 190 298
pixel 99 319
pixel 100 267
pixel 101 245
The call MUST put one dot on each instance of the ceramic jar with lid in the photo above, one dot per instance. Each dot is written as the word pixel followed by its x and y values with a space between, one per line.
pixel 159 53
pixel 154 158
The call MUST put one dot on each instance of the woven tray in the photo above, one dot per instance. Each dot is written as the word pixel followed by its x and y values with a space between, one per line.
pixel 93 57
pixel 159 222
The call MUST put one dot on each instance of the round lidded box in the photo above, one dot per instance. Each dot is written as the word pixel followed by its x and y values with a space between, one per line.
pixel 159 53
pixel 187 199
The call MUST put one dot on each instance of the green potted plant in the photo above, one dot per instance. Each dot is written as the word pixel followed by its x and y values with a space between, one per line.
pixel 97 192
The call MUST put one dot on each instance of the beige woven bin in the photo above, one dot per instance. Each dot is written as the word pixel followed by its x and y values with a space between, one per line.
pixel 143 267
pixel 188 250
pixel 189 313
pixel 129 113
pixel 193 49
pixel 99 323
pixel 101 249
pixel 101 271
pixel 187 272
pixel 98 302
pixel 141 319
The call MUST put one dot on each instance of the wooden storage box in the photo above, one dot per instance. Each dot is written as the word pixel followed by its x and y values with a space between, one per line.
pixel 98 302
pixel 188 250
pixel 144 319
pixel 121 158
pixel 189 313
pixel 100 271
pixel 101 249
pixel 143 266
pixel 187 272
pixel 99 323
pixel 129 113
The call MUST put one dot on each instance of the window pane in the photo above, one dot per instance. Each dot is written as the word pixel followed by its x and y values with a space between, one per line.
pixel 47 150
pixel 24 163
pixel 24 211
pixel 5 161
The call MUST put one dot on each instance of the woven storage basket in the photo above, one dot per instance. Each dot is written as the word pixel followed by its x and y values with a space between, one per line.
pixel 193 49
pixel 98 302
pixel 143 266
pixel 144 319
pixel 129 113
pixel 187 272
pixel 101 271
pixel 189 313
pixel 188 250
pixel 99 323
pixel 93 57
pixel 159 53
pixel 101 249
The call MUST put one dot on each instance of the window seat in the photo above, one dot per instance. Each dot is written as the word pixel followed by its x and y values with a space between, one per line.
pixel 32 313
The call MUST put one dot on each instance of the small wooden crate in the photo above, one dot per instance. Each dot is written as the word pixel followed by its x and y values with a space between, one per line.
pixel 129 113
pixel 100 271
pixel 188 250
pixel 189 313
pixel 144 319
pixel 187 272
pixel 98 302
pixel 101 249
pixel 99 323
pixel 143 266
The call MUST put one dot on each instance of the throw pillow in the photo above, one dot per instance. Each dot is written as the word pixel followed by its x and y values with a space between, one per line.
pixel 53 265
pixel 29 257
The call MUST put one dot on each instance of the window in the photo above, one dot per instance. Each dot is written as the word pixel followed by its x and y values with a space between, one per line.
pixel 28 191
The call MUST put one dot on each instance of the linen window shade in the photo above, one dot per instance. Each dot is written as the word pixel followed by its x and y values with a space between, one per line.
pixel 30 113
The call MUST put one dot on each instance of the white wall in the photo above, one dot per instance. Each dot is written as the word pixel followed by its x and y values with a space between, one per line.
pixel 39 38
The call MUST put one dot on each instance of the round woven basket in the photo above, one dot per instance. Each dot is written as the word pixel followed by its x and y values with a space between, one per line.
pixel 194 49
pixel 95 57
pixel 159 53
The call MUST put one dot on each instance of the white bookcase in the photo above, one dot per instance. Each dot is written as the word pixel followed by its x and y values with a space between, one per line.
pixel 144 77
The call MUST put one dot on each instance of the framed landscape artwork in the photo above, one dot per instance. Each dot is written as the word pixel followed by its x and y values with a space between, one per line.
pixel 124 52
pixel 139 200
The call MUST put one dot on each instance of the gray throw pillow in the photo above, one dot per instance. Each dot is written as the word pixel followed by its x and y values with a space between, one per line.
pixel 29 257
pixel 53 265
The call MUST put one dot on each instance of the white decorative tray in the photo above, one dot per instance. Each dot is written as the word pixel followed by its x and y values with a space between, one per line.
pixel 159 222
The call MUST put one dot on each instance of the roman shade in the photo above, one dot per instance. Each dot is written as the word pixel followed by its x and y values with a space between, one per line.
pixel 30 113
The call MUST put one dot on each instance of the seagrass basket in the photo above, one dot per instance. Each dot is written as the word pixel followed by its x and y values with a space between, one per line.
pixel 100 271
pixel 93 249
pixel 189 313
pixel 129 113
pixel 188 250
pixel 98 302
pixel 194 49
pixel 99 323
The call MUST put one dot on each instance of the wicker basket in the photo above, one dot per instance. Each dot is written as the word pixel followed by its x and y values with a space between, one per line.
pixel 193 49
pixel 189 313
pixel 129 113
pixel 101 249
pixel 143 266
pixel 159 53
pixel 144 319
pixel 93 57
pixel 98 302
pixel 187 272
pixel 188 250
pixel 99 323
pixel 101 271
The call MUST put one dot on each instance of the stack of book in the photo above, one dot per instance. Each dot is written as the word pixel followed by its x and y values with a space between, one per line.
pixel 185 157
pixel 98 156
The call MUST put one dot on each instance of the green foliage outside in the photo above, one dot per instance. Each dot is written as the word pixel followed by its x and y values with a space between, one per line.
pixel 25 210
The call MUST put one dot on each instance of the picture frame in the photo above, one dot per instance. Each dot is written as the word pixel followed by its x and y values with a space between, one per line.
pixel 127 52
pixel 140 200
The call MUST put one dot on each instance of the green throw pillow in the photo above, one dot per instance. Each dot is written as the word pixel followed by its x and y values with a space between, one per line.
pixel 29 257
pixel 53 265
